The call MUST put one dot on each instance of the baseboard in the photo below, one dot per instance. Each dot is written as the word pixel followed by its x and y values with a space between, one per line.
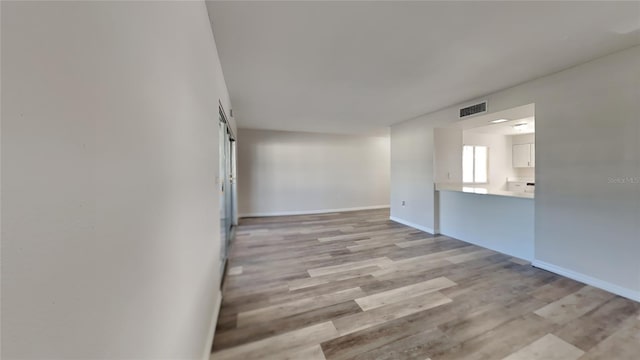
pixel 312 212
pixel 413 225
pixel 607 286
pixel 212 330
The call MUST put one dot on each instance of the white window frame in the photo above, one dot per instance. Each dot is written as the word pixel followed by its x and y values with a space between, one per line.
pixel 473 175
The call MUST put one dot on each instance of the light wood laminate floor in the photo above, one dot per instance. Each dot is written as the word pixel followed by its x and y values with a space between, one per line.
pixel 356 285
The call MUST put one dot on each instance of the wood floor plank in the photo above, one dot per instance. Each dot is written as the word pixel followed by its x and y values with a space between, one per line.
pixel 549 347
pixel 418 242
pixel 311 353
pixel 413 347
pixel 624 344
pixel 363 235
pixel 496 343
pixel 325 279
pixel 557 289
pixel 595 326
pixel 401 293
pixel 457 259
pixel 348 266
pixel 297 306
pixel 379 315
pixel 574 305
pixel 432 255
pixel 485 319
pixel 369 341
pixel 520 261
pixel 399 269
pixel 230 337
pixel 275 346
pixel 369 246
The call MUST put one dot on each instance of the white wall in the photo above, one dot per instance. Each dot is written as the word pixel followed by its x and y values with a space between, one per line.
pixel 293 172
pixel 523 139
pixel 500 156
pixel 587 137
pixel 412 173
pixel 110 245
pixel 447 155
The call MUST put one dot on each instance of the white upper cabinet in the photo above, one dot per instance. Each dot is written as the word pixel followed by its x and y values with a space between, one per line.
pixel 524 155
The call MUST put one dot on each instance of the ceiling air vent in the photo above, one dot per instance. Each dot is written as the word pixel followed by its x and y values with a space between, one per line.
pixel 473 109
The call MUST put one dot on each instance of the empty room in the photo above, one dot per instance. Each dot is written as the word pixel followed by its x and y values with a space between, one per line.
pixel 320 180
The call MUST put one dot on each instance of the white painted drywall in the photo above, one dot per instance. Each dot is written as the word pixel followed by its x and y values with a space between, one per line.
pixel 412 173
pixel 523 139
pixel 283 172
pixel 447 155
pixel 504 224
pixel 587 206
pixel 110 245
pixel 500 156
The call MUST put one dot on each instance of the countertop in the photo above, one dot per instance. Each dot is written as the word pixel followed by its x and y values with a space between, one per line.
pixel 483 190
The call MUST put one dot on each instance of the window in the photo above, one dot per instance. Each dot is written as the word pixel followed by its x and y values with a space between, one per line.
pixel 475 160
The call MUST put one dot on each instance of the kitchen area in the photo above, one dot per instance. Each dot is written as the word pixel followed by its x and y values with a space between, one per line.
pixel 484 175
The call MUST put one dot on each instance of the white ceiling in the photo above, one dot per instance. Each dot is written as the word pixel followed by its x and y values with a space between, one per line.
pixel 357 67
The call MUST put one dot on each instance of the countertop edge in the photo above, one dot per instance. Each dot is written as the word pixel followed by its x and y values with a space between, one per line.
pixel 477 190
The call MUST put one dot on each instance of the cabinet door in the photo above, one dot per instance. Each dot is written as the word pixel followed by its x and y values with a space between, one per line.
pixel 521 155
pixel 533 155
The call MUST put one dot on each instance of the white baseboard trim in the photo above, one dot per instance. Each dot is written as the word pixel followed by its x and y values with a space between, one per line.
pixel 312 212
pixel 413 225
pixel 212 329
pixel 607 286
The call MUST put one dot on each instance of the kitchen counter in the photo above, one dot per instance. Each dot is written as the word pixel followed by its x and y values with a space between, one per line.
pixel 483 190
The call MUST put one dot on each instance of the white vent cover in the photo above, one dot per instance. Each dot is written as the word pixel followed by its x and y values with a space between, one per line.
pixel 473 109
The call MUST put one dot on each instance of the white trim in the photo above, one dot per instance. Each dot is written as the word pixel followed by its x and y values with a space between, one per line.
pixel 312 212
pixel 413 225
pixel 607 286
pixel 212 329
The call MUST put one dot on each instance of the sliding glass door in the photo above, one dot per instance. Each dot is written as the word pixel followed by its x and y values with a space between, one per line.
pixel 227 185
